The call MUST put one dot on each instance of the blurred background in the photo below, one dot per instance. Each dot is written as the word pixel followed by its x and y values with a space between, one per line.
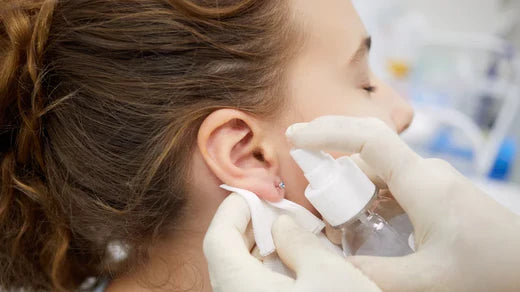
pixel 458 62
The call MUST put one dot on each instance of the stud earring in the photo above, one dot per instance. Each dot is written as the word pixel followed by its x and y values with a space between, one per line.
pixel 281 185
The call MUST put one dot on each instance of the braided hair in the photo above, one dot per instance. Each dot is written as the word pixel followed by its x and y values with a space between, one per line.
pixel 100 106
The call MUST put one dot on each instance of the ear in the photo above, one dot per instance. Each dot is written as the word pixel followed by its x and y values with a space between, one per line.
pixel 234 146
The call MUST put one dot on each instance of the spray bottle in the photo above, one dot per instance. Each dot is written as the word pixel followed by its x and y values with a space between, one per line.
pixel 344 196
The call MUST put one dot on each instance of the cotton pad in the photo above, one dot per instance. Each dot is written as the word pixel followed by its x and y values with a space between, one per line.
pixel 263 215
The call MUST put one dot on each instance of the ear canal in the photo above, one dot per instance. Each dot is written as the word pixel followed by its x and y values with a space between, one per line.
pixel 258 155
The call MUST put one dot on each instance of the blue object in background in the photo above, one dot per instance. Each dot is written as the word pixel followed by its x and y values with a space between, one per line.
pixel 443 144
pixel 504 163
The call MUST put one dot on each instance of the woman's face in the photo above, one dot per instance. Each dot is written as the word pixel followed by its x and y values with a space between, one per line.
pixel 330 75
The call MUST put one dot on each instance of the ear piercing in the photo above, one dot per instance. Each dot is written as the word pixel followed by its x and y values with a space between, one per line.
pixel 281 185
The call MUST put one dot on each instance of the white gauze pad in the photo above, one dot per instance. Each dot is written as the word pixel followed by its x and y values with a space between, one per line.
pixel 264 213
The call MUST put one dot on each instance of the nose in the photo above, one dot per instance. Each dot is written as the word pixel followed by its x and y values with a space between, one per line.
pixel 401 111
pixel 402 116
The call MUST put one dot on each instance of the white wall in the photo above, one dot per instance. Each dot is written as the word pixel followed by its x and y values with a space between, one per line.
pixel 461 15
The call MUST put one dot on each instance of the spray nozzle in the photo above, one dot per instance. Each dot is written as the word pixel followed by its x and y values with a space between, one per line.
pixel 338 189
pixel 308 160
pixel 317 166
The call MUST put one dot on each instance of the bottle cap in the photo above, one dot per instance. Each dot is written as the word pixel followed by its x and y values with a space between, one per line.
pixel 338 189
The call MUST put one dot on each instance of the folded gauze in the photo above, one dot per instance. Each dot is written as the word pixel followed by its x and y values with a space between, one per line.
pixel 264 213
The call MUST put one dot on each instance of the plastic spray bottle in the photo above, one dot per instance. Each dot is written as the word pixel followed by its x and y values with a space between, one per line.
pixel 344 196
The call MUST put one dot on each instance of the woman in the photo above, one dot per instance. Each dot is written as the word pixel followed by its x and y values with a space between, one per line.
pixel 120 119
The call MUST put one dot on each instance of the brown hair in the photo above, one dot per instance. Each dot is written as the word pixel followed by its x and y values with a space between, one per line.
pixel 100 104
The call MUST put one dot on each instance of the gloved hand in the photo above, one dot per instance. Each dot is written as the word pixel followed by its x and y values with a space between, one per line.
pixel 232 268
pixel 465 240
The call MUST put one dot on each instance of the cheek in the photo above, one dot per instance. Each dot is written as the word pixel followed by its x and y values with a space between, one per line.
pixel 335 97
pixel 289 172
pixel 337 102
pixel 295 184
pixel 295 191
pixel 322 91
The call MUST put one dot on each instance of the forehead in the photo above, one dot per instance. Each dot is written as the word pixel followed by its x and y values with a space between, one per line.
pixel 330 27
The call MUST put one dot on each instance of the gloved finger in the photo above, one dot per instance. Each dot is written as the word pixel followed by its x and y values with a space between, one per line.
pixel 231 266
pixel 249 237
pixel 296 246
pixel 334 235
pixel 226 236
pixel 409 273
pixel 255 252
pixel 378 146
pixel 371 173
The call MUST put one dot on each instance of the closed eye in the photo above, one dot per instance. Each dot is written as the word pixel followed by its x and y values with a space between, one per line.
pixel 370 89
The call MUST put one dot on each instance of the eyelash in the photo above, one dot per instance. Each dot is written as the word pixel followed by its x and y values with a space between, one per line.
pixel 370 89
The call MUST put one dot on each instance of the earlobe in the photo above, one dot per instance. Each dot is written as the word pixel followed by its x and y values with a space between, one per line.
pixel 233 147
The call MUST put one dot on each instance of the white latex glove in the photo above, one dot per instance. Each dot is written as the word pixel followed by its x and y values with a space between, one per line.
pixel 465 240
pixel 232 268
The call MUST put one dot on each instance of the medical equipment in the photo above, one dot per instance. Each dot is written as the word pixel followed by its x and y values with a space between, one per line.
pixel 344 196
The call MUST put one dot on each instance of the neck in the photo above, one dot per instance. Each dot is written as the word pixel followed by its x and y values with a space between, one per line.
pixel 180 262
pixel 176 263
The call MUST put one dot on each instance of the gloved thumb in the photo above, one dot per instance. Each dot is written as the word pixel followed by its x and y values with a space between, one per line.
pixel 316 267
pixel 369 171
pixel 296 246
pixel 409 273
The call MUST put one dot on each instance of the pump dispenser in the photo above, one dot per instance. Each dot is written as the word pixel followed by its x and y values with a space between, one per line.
pixel 343 195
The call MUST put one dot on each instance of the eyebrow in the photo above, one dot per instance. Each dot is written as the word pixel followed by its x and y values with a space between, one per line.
pixel 363 49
